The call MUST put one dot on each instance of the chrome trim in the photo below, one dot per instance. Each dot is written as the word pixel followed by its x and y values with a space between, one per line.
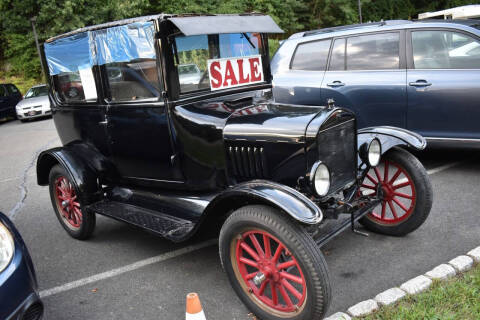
pixel 453 139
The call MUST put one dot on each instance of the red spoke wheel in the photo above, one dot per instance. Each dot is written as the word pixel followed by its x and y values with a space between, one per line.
pixel 405 190
pixel 66 203
pixel 274 265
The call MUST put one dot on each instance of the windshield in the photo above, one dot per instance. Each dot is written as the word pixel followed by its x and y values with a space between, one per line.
pixel 36 92
pixel 194 56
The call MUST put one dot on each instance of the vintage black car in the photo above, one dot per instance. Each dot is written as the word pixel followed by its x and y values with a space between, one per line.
pixel 175 155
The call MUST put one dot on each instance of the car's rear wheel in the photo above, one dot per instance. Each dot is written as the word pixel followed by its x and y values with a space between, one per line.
pixel 406 190
pixel 274 265
pixel 78 223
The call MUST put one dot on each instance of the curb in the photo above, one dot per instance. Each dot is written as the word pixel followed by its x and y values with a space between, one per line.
pixel 413 286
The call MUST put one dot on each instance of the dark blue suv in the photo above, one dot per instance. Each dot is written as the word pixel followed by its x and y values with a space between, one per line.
pixel 423 76
pixel 9 97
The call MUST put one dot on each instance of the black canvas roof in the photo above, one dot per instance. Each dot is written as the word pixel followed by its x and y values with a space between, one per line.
pixel 191 24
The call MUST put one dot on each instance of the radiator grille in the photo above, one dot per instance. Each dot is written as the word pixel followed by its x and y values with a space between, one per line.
pixel 337 149
pixel 248 162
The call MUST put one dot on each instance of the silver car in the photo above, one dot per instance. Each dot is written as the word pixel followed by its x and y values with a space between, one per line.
pixel 35 104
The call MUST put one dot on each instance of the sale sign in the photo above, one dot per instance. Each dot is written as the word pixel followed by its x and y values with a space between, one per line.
pixel 235 72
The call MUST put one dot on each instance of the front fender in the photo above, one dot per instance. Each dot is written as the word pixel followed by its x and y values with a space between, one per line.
pixel 390 137
pixel 290 201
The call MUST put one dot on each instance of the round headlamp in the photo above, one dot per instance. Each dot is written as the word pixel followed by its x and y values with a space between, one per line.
pixel 6 247
pixel 320 178
pixel 374 152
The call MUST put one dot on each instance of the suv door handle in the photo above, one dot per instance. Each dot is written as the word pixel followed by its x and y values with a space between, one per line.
pixel 335 84
pixel 420 83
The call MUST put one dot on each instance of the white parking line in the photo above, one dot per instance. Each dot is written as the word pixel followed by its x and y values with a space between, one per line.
pixel 445 167
pixel 127 268
pixel 164 256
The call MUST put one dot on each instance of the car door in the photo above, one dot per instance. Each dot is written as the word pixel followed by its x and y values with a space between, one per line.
pixel 443 83
pixel 4 101
pixel 299 82
pixel 14 93
pixel 138 123
pixel 366 73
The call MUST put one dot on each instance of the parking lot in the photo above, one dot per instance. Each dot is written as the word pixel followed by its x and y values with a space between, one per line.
pixel 123 272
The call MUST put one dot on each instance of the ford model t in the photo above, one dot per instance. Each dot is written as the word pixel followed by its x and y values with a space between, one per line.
pixel 167 123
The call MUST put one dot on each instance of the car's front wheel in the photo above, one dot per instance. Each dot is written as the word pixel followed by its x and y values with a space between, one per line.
pixel 78 223
pixel 274 265
pixel 406 192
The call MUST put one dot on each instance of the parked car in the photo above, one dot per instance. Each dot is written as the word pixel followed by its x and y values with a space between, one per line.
pixel 19 298
pixel 222 156
pixel 423 76
pixel 9 97
pixel 35 104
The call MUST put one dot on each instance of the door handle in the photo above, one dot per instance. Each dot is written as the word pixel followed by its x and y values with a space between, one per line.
pixel 103 123
pixel 420 83
pixel 335 84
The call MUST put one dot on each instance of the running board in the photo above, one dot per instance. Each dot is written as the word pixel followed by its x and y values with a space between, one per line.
pixel 167 226
pixel 333 228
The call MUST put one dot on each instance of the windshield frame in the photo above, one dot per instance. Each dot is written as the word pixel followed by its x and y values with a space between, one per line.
pixel 171 56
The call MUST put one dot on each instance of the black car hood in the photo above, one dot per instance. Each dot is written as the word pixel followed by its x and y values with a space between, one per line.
pixel 270 122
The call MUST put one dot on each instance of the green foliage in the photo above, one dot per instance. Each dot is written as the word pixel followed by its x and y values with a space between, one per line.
pixel 18 54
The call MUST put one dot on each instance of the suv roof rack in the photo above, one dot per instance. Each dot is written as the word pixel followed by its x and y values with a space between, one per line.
pixel 356 26
pixel 475 23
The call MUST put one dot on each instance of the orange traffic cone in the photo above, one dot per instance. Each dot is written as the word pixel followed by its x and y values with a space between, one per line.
pixel 194 308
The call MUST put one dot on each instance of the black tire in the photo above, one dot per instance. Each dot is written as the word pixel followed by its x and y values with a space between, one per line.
pixel 420 187
pixel 78 228
pixel 300 248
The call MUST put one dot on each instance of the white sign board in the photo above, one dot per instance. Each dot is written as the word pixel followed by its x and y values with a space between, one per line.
pixel 88 84
pixel 235 72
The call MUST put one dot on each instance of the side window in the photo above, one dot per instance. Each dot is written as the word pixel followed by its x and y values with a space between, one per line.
pixel 337 60
pixel 373 52
pixel 311 56
pixel 70 65
pixel 128 54
pixel 12 89
pixel 3 91
pixel 437 49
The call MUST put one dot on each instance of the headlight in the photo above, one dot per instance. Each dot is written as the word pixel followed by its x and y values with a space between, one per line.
pixel 6 247
pixel 374 152
pixel 320 177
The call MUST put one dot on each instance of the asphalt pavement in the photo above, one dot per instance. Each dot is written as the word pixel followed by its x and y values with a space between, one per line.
pixel 126 273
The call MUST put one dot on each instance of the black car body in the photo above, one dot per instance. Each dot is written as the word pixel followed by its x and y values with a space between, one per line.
pixel 175 157
pixel 9 97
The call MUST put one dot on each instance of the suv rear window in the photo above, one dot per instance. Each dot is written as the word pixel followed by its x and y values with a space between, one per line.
pixel 373 52
pixel 12 88
pixel 311 56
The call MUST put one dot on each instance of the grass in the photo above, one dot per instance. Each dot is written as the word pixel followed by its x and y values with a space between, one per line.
pixel 457 298
pixel 22 84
